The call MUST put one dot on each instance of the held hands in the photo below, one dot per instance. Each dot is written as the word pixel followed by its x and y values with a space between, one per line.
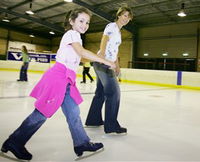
pixel 101 54
pixel 112 65
pixel 117 70
pixel 109 63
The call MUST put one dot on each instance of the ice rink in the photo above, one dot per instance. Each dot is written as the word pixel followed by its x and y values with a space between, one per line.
pixel 163 123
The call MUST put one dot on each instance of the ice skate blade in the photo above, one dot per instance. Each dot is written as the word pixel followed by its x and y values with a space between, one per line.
pixel 90 126
pixel 88 154
pixel 3 155
pixel 113 135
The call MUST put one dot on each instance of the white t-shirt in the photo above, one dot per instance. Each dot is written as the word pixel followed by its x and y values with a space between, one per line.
pixel 66 54
pixel 112 47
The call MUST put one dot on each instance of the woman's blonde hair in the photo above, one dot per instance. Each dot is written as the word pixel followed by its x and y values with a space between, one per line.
pixel 123 9
pixel 73 14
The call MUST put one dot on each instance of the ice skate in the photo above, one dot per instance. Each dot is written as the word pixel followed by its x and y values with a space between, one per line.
pixel 19 152
pixel 94 125
pixel 119 131
pixel 88 147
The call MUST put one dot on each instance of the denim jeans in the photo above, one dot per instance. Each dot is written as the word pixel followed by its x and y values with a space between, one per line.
pixel 35 120
pixel 23 71
pixel 107 91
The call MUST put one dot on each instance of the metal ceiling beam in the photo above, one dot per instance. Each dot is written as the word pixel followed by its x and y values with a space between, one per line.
pixel 94 10
pixel 19 4
pixel 101 14
pixel 162 12
pixel 50 7
pixel 45 8
pixel 135 6
pixel 107 3
pixel 35 20
pixel 170 10
pixel 152 3
pixel 45 18
pixel 24 30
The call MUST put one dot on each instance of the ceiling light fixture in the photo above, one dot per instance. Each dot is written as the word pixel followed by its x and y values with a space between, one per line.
pixel 30 12
pixel 165 54
pixel 182 13
pixel 68 0
pixel 5 19
pixel 185 54
pixel 52 32
pixel 31 35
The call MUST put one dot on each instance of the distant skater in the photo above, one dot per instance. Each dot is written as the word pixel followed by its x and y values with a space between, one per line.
pixel 24 67
pixel 107 89
pixel 86 70
pixel 57 88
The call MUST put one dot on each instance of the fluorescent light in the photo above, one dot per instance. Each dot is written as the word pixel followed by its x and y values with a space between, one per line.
pixel 185 54
pixel 68 0
pixel 5 20
pixel 29 12
pixel 31 35
pixel 165 54
pixel 146 54
pixel 182 14
pixel 52 32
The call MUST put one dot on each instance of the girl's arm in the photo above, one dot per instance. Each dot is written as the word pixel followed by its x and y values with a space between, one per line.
pixel 90 55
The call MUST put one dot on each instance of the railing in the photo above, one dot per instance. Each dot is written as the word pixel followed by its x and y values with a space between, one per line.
pixel 186 66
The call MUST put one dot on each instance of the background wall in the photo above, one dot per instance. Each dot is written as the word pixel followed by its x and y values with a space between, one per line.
pixel 42 44
pixel 174 39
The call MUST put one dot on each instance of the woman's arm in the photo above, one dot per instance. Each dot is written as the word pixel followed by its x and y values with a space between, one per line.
pixel 90 55
pixel 117 70
pixel 103 44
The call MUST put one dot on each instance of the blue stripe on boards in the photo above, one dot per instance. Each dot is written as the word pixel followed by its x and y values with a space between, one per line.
pixel 179 77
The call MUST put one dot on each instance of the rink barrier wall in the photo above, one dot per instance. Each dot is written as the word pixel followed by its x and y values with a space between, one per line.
pixel 175 79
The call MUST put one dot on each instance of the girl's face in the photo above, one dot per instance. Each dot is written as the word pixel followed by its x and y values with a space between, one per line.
pixel 124 18
pixel 81 23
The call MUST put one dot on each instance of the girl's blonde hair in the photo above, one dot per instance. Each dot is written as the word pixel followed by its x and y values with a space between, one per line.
pixel 73 14
pixel 121 10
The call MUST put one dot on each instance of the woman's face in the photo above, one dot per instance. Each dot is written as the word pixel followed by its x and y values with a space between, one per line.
pixel 124 18
pixel 81 23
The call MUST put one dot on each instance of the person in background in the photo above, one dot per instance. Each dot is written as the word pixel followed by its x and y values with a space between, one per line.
pixel 24 67
pixel 86 69
pixel 57 88
pixel 107 89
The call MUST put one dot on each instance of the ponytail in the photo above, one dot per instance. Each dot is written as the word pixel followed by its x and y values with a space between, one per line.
pixel 67 25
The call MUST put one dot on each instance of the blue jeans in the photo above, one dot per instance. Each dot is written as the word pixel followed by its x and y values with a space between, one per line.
pixel 35 120
pixel 107 91
pixel 23 71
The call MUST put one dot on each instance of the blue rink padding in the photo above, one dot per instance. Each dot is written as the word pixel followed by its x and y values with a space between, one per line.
pixel 179 77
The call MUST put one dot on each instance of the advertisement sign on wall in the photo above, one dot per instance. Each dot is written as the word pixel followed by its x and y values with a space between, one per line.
pixel 14 53
pixel 34 57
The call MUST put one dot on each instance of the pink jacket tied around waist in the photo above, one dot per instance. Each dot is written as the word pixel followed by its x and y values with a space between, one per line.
pixel 50 90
